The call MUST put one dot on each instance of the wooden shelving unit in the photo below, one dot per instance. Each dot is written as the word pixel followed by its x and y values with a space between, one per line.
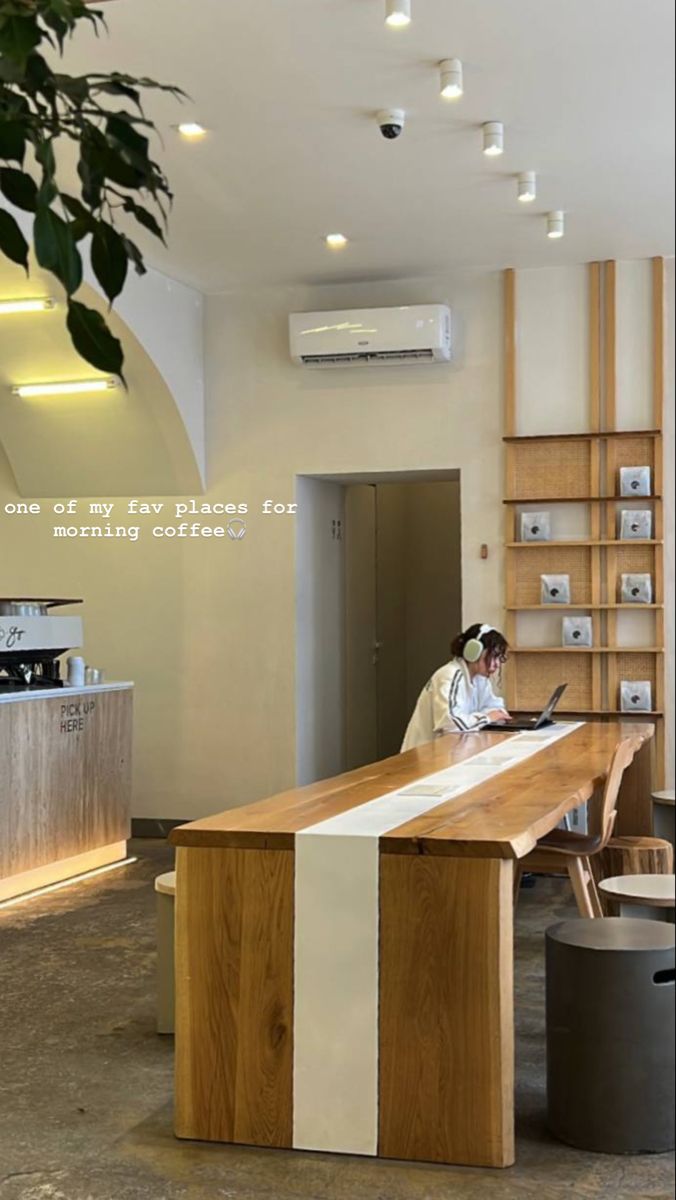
pixel 583 469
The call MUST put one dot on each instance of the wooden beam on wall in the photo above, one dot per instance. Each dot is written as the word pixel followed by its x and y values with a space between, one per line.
pixel 658 342
pixel 595 347
pixel 610 346
pixel 510 351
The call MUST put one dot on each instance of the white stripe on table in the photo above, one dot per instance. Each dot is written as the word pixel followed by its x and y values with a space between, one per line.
pixel 335 1081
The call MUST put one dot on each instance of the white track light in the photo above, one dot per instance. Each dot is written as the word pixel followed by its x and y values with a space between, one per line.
pixel 555 224
pixel 451 78
pixel 398 13
pixel 494 138
pixel 527 190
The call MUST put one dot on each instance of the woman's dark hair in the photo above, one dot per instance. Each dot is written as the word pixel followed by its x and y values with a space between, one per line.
pixel 493 641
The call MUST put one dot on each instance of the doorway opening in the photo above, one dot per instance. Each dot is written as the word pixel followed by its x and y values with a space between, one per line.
pixel 378 600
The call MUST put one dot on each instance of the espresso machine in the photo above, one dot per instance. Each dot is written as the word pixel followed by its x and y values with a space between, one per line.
pixel 32 640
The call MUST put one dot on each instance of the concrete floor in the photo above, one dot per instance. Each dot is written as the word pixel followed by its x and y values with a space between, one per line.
pixel 86 1084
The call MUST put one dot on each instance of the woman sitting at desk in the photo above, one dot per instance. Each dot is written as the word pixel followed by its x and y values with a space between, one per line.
pixel 459 696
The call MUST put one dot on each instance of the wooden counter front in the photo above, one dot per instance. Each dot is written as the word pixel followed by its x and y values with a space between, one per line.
pixel 65 784
pixel 393 1033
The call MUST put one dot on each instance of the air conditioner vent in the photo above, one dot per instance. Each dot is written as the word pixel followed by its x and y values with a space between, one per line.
pixel 372 337
pixel 393 356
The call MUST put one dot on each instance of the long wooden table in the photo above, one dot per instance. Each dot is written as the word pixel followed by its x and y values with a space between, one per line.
pixel 320 1009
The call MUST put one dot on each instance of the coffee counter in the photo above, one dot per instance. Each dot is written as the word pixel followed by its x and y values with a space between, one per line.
pixel 65 783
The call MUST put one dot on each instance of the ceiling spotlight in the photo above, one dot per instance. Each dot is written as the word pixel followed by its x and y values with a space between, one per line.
pixel 25 391
pixel 191 131
pixel 494 138
pixel 336 241
pixel 451 78
pixel 555 224
pixel 398 13
pixel 45 304
pixel 527 188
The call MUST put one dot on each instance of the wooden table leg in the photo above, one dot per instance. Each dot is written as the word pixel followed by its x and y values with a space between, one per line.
pixel 234 995
pixel 634 802
pixel 446 1010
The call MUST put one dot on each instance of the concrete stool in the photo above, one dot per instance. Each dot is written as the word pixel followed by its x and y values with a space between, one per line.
pixel 610 1035
pixel 649 897
pixel 165 889
pixel 663 815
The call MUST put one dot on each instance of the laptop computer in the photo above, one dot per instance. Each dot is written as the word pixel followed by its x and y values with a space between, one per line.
pixel 540 722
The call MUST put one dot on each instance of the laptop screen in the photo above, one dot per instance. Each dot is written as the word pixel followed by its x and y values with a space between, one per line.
pixel 553 701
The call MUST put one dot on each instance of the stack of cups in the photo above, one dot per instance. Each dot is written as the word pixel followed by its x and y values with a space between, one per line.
pixel 76 671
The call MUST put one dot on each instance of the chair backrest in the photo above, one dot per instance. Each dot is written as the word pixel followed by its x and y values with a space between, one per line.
pixel 620 761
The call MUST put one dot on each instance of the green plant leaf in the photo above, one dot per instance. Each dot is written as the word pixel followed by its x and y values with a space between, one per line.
pixel 120 171
pixel 121 129
pixel 144 218
pixel 19 188
pixel 113 86
pixel 38 73
pixel 91 178
pixel 83 222
pixel 58 25
pixel 109 259
pixel 55 248
pixel 10 72
pixel 12 242
pixel 76 208
pixel 134 255
pixel 18 36
pixel 12 141
pixel 75 87
pixel 44 153
pixel 93 340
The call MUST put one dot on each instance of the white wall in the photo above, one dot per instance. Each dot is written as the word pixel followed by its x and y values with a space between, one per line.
pixel 206 628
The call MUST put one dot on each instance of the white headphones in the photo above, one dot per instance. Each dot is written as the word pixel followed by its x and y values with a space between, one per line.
pixel 474 648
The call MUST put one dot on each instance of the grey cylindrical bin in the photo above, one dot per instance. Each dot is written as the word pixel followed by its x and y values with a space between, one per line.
pixel 610 1034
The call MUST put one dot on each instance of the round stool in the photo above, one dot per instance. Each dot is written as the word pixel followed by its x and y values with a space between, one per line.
pixel 165 891
pixel 649 897
pixel 663 815
pixel 631 856
pixel 610 1035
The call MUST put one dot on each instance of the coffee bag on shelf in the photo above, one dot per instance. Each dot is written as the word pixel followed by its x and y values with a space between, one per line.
pixel 636 696
pixel 636 523
pixel 577 631
pixel 555 589
pixel 634 481
pixel 535 527
pixel 636 589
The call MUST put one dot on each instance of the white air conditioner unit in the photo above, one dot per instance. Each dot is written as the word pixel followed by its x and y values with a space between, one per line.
pixel 417 333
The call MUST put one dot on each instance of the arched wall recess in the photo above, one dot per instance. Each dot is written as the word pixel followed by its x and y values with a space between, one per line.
pixel 147 441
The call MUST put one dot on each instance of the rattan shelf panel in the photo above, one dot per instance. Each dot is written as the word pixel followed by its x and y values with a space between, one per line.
pixel 530 474
pixel 534 676
pixel 582 437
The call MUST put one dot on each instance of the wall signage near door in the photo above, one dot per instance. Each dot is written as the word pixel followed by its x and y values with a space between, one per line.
pixel 74 714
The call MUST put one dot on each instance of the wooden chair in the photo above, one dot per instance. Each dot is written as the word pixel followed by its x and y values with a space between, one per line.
pixel 563 850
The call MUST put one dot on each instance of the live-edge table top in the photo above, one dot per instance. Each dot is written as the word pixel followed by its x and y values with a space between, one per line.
pixel 500 818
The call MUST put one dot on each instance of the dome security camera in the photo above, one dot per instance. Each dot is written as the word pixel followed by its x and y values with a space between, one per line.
pixel 391 122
